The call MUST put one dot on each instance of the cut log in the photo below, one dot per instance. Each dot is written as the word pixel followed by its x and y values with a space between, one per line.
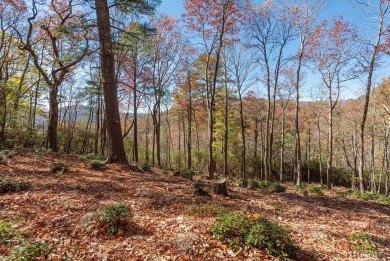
pixel 219 187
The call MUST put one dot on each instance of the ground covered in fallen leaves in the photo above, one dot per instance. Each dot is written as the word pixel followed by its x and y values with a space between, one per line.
pixel 59 207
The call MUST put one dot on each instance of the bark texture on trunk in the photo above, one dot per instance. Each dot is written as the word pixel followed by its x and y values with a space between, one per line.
pixel 115 146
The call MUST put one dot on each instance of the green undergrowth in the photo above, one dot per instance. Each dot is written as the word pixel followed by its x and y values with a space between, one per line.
pixel 239 230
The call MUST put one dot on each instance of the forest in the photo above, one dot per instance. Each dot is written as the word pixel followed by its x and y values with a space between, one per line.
pixel 228 132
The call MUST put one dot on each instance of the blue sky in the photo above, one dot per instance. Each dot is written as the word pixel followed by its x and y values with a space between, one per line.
pixel 335 8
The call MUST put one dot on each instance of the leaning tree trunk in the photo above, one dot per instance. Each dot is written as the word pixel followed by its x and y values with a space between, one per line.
pixel 115 146
pixel 371 68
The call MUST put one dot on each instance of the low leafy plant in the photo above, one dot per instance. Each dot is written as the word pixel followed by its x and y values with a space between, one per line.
pixel 367 196
pixel 345 193
pixel 302 190
pixel 364 244
pixel 278 187
pixel 144 166
pixel 10 185
pixel 232 228
pixel 197 184
pixel 4 154
pixel 205 210
pixel 116 217
pixel 186 173
pixel 253 184
pixel 59 167
pixel 96 164
pixel 264 184
pixel 7 230
pixel 384 199
pixel 315 190
pixel 239 230
pixel 91 156
pixel 242 182
pixel 42 150
pixel 273 238
pixel 31 250
pixel 7 153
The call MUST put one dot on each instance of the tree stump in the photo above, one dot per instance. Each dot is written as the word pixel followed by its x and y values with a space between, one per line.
pixel 219 187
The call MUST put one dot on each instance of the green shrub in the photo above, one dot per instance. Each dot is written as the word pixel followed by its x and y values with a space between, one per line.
pixel 42 150
pixel 253 184
pixel 315 190
pixel 278 187
pixel 364 244
pixel 7 153
pixel 239 230
pixel 23 185
pixel 302 190
pixel 242 182
pixel 144 166
pixel 96 164
pixel 59 167
pixel 231 228
pixel 7 230
pixel 205 210
pixel 10 185
pixel 30 251
pixel 264 184
pixel 91 156
pixel 367 196
pixel 384 199
pixel 273 238
pixel 116 217
pixel 186 173
pixel 345 193
pixel 197 184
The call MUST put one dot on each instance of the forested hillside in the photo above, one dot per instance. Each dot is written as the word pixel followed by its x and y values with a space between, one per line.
pixel 244 98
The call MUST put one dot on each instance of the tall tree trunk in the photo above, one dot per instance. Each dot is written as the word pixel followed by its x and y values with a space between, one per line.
pixel 98 127
pixel 370 71
pixel 308 154
pixel 135 119
pixel 267 129
pixel 329 161
pixel 320 150
pixel 4 120
pixel 226 126
pixel 243 152
pixel 35 105
pixel 189 119
pixel 147 140
pixel 372 182
pixel 298 155
pixel 115 145
pixel 179 144
pixel 282 147
pixel 52 133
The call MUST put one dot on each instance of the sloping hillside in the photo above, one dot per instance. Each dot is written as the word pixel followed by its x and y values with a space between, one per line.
pixel 59 210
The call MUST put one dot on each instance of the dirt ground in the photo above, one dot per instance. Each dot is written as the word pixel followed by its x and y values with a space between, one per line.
pixel 58 210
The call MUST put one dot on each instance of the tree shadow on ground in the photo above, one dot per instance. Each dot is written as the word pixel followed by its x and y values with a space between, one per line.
pixel 344 204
